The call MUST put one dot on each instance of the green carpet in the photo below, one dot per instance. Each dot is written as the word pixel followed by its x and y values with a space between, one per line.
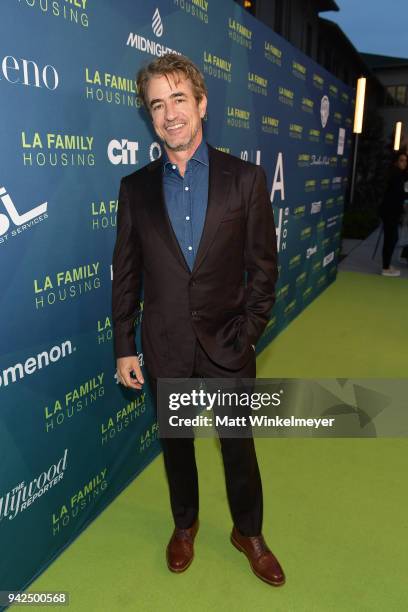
pixel 335 510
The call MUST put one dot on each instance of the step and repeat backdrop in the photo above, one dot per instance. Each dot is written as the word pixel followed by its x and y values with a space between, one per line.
pixel 71 126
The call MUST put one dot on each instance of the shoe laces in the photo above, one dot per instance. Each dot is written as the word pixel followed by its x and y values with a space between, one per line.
pixel 184 534
pixel 260 547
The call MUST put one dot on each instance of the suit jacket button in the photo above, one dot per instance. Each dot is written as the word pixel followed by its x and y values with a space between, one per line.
pixel 194 313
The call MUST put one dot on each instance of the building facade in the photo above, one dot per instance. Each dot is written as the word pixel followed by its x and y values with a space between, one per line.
pixel 392 72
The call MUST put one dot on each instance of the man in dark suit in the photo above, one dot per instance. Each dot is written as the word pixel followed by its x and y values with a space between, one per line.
pixel 193 223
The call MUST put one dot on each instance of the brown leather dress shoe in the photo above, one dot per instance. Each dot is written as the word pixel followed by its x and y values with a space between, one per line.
pixel 180 549
pixel 263 562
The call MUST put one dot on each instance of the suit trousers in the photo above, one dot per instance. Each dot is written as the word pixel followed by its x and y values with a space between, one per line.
pixel 242 477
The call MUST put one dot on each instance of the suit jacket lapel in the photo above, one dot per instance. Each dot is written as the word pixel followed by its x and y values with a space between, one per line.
pixel 218 190
pixel 156 207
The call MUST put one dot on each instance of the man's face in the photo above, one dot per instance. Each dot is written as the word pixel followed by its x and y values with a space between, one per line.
pixel 175 113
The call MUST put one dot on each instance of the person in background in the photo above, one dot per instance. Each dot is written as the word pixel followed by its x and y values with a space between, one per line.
pixel 391 210
pixel 403 240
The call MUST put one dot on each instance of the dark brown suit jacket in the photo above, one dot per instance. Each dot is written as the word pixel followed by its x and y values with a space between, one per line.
pixel 214 302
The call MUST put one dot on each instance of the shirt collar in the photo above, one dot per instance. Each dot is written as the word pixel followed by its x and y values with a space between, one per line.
pixel 200 155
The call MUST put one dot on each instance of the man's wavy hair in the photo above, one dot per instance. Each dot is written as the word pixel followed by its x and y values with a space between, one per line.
pixel 176 66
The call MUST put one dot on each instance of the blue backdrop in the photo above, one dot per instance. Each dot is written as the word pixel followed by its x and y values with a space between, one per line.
pixel 71 439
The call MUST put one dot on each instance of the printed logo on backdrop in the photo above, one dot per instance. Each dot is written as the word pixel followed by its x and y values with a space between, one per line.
pixel 278 183
pixel 102 86
pixel 307 293
pixel 314 135
pixel 18 71
pixel 333 90
pixel 282 292
pixel 155 151
pixel 306 233
pixel 282 228
pixel 216 67
pixel 321 227
pixel 239 33
pixel 22 222
pixel 22 496
pixel 324 110
pixel 73 402
pixel 315 207
pixel 318 81
pixel 18 371
pixel 123 152
pixel 104 330
pixel 286 95
pixel 340 141
pixel 295 261
pixel 121 418
pixel 57 150
pixel 157 24
pixel 66 285
pixel 311 251
pixel 332 221
pixel 298 70
pixel 147 437
pixel 336 182
pixel 74 11
pixel 328 259
pixel 103 214
pixel 324 184
pixel 198 9
pixel 79 501
pixel 295 131
pixel 272 53
pixel 270 125
pixel 290 308
pixel 307 105
pixel 257 84
pixel 310 185
pixel 345 97
pixel 238 117
pixel 304 160
pixel 146 45
pixel 299 212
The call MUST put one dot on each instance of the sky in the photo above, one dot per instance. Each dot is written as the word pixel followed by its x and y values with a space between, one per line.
pixel 374 26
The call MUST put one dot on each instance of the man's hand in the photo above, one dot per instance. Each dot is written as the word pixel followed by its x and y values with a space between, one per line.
pixel 124 366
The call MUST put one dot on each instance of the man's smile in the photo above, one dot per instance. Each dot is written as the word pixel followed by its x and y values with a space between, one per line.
pixel 177 126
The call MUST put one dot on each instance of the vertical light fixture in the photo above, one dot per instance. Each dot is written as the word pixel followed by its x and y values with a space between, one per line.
pixel 397 135
pixel 359 110
pixel 357 127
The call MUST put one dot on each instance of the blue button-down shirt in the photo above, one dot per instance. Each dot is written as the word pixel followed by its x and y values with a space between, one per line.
pixel 186 200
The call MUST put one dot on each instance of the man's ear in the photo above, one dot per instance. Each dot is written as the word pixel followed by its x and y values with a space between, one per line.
pixel 202 106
